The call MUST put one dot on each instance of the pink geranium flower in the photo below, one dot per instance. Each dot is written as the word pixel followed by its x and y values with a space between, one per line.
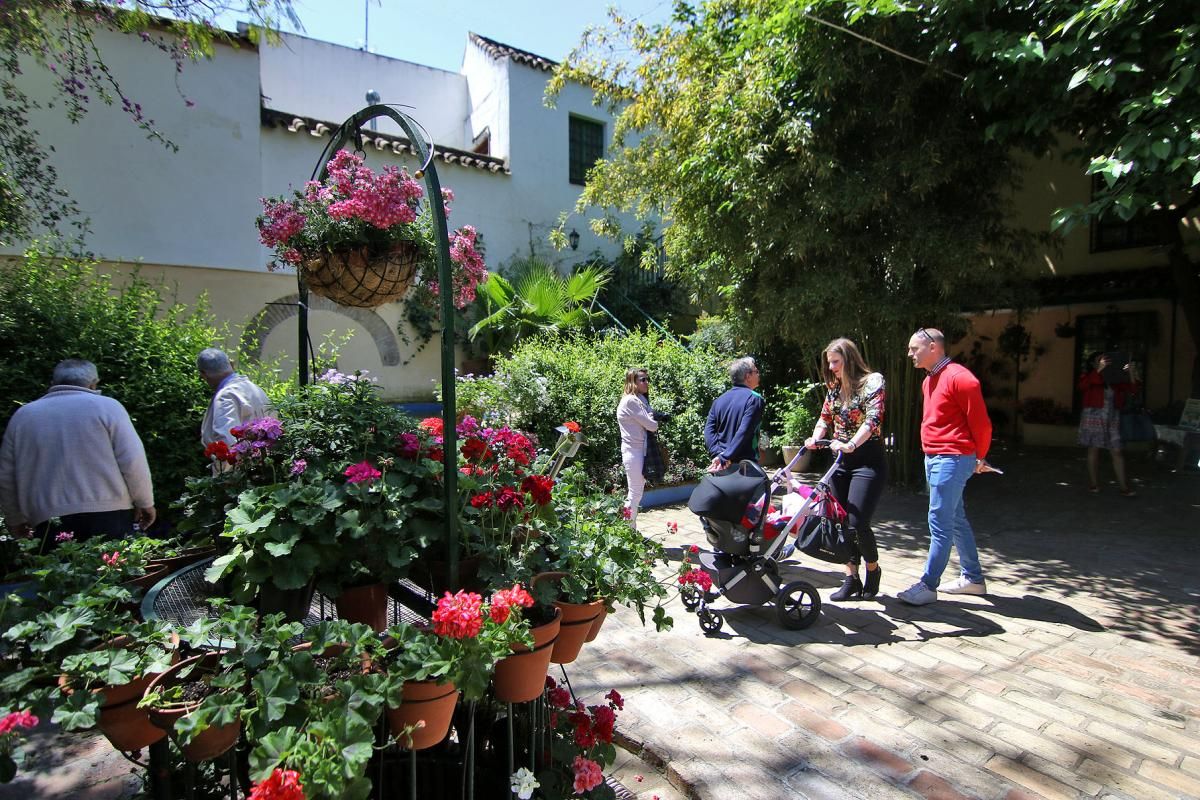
pixel 587 774
pixel 362 472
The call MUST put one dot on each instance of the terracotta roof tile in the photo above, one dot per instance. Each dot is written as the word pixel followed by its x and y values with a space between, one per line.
pixel 500 50
pixel 383 141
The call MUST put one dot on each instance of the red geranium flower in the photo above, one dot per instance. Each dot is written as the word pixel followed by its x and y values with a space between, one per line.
pixel 220 451
pixel 573 427
pixel 283 784
pixel 697 577
pixel 538 487
pixel 432 425
pixel 459 616
pixel 508 498
pixel 483 500
pixel 475 450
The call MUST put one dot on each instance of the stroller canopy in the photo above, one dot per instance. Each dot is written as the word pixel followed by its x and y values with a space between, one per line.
pixel 725 496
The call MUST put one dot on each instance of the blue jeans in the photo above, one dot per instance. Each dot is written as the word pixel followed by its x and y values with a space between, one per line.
pixel 947 476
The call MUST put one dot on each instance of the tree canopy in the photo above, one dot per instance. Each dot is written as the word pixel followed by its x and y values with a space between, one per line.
pixel 59 36
pixel 1117 79
pixel 804 173
pixel 820 184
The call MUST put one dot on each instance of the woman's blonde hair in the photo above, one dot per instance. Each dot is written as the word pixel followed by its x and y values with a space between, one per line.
pixel 854 368
pixel 631 379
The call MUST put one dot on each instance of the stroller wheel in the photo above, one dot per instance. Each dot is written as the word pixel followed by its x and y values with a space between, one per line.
pixel 798 605
pixel 710 621
pixel 691 597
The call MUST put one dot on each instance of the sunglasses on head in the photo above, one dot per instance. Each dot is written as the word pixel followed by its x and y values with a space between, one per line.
pixel 925 333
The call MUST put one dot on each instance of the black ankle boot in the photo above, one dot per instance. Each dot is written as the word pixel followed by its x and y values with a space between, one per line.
pixel 871 585
pixel 852 589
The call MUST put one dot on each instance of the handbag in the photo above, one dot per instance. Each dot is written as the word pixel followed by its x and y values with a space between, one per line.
pixel 1135 424
pixel 654 465
pixel 824 539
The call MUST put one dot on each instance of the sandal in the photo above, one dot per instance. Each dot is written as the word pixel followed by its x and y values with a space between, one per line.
pixel 1094 489
pixel 1128 493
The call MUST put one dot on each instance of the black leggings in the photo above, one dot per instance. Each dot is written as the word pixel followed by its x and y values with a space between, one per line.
pixel 857 485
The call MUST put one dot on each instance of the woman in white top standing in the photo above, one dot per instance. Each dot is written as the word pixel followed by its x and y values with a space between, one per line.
pixel 635 418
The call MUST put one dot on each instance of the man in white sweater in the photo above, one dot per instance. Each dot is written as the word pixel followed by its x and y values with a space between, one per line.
pixel 236 399
pixel 73 455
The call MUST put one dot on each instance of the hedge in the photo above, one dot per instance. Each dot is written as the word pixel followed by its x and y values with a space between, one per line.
pixel 549 380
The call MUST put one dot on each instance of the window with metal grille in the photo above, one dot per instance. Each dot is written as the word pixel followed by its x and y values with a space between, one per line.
pixel 1148 229
pixel 586 147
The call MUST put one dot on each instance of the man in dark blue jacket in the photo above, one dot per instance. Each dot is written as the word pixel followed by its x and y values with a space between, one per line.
pixel 731 432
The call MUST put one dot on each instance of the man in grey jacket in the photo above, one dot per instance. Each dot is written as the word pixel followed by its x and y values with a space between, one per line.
pixel 236 399
pixel 73 455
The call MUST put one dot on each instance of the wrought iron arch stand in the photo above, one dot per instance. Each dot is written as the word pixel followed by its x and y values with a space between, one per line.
pixel 351 131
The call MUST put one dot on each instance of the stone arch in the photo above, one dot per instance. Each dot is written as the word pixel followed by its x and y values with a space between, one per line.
pixel 254 337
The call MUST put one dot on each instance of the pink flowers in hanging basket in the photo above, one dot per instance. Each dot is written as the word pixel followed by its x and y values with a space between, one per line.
pixel 357 209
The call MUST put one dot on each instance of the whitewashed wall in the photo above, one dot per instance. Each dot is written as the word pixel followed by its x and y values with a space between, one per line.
pixel 144 201
pixel 188 217
pixel 330 82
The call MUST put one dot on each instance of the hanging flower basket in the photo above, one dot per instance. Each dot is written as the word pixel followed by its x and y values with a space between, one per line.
pixel 356 278
pixel 361 238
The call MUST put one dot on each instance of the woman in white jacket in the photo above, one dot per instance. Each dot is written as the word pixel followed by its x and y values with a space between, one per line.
pixel 635 419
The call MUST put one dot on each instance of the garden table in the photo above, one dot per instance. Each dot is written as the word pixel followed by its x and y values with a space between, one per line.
pixel 182 598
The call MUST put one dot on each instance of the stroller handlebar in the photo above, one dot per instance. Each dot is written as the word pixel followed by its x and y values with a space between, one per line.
pixel 786 469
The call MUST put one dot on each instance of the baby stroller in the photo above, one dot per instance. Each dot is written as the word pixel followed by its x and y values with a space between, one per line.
pixel 734 506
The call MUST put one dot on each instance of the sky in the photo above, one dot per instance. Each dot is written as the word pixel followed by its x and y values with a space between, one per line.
pixel 434 32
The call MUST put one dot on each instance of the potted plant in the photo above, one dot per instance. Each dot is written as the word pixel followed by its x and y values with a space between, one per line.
pixel 200 701
pixel 504 492
pixel 315 710
pixel 795 419
pixel 325 499
pixel 581 746
pixel 361 238
pixel 592 559
pixel 1045 422
pixel 103 685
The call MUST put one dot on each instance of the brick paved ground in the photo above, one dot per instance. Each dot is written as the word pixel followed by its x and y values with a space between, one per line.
pixel 1079 676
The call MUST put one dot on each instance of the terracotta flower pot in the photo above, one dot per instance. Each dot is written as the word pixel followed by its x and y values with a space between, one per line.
pixel 597 624
pixel 577 621
pixel 428 704
pixel 185 558
pixel 127 727
pixel 294 604
pixel 207 744
pixel 154 574
pixel 521 677
pixel 365 604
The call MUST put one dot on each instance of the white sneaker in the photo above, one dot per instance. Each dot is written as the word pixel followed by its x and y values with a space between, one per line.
pixel 962 585
pixel 918 594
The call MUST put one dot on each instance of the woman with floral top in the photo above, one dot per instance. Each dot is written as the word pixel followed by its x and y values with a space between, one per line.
pixel 852 417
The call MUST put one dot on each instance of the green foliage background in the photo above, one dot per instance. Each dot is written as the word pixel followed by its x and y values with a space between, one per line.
pixel 547 381
pixel 143 343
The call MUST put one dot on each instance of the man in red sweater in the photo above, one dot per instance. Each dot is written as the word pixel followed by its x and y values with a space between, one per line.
pixel 955 435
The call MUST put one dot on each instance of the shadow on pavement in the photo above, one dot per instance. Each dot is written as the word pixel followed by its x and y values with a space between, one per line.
pixel 1133 563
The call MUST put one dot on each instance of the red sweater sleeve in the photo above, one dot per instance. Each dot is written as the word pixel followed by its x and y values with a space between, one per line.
pixel 1090 379
pixel 970 397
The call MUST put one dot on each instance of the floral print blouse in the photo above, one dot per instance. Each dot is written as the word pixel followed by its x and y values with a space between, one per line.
pixel 845 417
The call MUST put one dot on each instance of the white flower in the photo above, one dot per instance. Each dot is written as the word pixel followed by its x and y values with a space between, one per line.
pixel 523 783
